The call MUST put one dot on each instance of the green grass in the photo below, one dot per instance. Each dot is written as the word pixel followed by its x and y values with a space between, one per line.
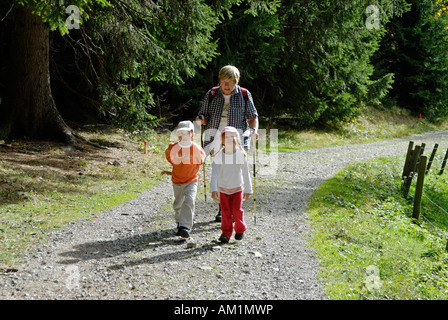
pixel 45 188
pixel 368 246
pixel 435 198
pixel 372 125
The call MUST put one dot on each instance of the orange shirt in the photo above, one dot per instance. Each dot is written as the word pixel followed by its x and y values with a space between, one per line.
pixel 186 162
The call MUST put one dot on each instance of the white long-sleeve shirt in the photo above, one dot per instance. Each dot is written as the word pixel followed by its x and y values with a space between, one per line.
pixel 230 173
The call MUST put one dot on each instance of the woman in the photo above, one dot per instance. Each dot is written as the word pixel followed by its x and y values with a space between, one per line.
pixel 228 105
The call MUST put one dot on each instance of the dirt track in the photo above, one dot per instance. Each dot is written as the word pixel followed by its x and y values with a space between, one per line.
pixel 131 252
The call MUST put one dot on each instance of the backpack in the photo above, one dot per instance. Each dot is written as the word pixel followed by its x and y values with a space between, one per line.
pixel 214 89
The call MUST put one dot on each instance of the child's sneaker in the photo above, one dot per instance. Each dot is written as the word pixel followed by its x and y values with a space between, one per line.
pixel 239 236
pixel 183 232
pixel 224 239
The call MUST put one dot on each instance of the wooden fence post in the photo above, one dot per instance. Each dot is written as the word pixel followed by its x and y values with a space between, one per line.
pixel 419 188
pixel 444 162
pixel 422 150
pixel 436 146
pixel 408 160
pixel 412 167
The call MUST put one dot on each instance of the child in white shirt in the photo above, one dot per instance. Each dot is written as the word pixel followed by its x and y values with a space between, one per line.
pixel 231 182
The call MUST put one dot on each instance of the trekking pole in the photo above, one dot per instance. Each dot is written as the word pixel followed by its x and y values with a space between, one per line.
pixel 203 165
pixel 255 199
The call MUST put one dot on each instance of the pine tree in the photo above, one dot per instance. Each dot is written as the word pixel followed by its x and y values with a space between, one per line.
pixel 125 47
pixel 415 50
pixel 28 108
pixel 325 71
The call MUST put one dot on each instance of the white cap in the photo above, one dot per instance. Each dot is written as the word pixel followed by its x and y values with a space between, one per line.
pixel 185 125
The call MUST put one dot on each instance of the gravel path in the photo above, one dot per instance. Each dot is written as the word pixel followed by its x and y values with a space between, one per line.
pixel 131 252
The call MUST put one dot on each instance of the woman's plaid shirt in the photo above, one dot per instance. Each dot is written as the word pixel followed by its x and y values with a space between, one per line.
pixel 239 112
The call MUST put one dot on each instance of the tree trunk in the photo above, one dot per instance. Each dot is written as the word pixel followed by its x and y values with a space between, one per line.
pixel 28 109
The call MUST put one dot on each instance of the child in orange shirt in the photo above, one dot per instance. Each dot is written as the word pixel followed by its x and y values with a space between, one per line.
pixel 186 157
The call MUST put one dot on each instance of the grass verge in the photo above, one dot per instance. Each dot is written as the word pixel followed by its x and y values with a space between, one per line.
pixel 44 185
pixel 373 125
pixel 368 246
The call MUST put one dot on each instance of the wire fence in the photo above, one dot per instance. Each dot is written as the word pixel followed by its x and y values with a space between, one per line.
pixel 440 232
pixel 416 164
pixel 435 204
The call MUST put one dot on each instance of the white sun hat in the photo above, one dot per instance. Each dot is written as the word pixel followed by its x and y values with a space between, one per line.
pixel 185 125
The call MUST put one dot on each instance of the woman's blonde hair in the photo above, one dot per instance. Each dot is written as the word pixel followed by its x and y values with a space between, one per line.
pixel 229 72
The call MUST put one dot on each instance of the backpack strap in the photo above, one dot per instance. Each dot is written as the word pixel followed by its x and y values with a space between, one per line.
pixel 244 92
pixel 214 89
pixel 212 94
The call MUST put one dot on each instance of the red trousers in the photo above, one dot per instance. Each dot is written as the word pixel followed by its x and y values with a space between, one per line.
pixel 231 210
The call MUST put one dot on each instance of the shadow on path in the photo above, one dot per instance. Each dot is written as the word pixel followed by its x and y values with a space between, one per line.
pixel 149 242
